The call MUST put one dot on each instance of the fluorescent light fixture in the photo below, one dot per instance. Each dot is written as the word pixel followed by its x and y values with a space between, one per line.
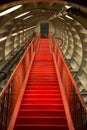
pixel 14 34
pixel 27 17
pixel 31 27
pixel 10 10
pixel 25 30
pixel 67 6
pixel 61 18
pixel 20 31
pixel 22 14
pixel 68 17
pixel 3 39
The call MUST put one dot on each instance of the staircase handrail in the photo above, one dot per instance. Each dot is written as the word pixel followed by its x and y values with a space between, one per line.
pixel 61 41
pixel 77 107
pixel 7 84
pixel 12 89
pixel 72 79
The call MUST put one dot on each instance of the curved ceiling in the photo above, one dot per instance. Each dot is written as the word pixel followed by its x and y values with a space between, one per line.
pixel 83 2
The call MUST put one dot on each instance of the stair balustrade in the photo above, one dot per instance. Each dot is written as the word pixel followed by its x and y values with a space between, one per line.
pixel 9 96
pixel 77 107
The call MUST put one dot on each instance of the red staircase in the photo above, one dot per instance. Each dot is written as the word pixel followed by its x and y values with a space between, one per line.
pixel 42 106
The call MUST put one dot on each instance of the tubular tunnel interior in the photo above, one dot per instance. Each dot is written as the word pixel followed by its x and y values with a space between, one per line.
pixel 66 45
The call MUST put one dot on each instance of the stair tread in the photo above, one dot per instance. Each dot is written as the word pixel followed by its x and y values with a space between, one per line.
pixel 43 110
pixel 39 94
pixel 40 125
pixel 53 113
pixel 42 87
pixel 44 104
pixel 39 121
pixel 45 90
pixel 46 99
pixel 47 117
pixel 42 96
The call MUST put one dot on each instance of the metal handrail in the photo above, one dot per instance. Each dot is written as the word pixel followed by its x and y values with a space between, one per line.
pixel 77 107
pixel 61 41
pixel 10 94
pixel 71 77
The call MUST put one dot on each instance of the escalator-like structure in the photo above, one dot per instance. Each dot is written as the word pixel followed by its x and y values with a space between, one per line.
pixel 42 106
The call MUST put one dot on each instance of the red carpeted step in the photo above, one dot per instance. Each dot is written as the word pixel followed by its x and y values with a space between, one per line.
pixel 40 101
pixel 42 87
pixel 42 96
pixel 42 106
pixel 43 92
pixel 41 113
pixel 43 127
pixel 41 120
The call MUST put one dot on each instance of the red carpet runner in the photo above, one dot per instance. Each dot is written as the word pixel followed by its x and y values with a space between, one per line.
pixel 42 107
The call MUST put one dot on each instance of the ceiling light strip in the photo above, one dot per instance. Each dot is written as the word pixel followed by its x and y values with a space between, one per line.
pixel 27 17
pixel 67 16
pixel 3 39
pixel 68 6
pixel 22 14
pixel 10 10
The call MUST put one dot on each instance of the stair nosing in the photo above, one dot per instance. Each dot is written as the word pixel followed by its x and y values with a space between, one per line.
pixel 42 117
pixel 40 125
pixel 43 104
pixel 41 110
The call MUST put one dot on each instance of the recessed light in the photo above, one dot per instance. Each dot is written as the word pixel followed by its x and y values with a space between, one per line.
pixel 68 6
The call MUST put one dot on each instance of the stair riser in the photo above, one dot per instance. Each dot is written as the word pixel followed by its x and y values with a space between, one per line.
pixel 42 83
pixel 42 78
pixel 44 64
pixel 43 59
pixel 48 65
pixel 41 128
pixel 42 87
pixel 42 121
pixel 38 70
pixel 28 101
pixel 42 92
pixel 43 71
pixel 33 96
pixel 46 77
pixel 38 74
pixel 41 113
pixel 41 107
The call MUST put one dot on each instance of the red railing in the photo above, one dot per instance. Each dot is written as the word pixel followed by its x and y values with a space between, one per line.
pixel 75 102
pixel 59 41
pixel 10 95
